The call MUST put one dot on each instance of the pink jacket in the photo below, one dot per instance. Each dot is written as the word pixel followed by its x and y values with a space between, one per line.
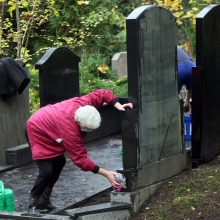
pixel 52 130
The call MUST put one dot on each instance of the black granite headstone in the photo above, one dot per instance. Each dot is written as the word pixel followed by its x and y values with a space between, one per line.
pixel 59 75
pixel 206 81
pixel 151 133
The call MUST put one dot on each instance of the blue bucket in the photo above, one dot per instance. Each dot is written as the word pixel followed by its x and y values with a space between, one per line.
pixel 188 127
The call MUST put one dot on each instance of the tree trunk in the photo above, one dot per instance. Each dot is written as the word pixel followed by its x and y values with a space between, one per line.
pixel 18 30
pixel 2 5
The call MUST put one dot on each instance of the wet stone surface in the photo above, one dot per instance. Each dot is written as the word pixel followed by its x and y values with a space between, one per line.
pixel 73 185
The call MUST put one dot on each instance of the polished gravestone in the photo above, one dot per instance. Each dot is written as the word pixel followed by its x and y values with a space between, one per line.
pixel 206 81
pixel 58 75
pixel 151 133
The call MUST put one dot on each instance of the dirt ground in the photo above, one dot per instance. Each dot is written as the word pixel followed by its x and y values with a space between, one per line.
pixel 189 196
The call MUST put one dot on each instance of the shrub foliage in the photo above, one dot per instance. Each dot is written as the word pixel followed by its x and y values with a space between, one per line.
pixel 95 30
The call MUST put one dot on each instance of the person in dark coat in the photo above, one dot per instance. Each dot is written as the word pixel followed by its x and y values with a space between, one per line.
pixel 185 64
pixel 58 128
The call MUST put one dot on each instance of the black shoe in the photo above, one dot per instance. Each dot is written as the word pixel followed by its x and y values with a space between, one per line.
pixel 44 200
pixel 47 206
pixel 32 204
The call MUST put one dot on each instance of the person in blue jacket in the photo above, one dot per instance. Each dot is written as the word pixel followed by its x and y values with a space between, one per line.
pixel 185 64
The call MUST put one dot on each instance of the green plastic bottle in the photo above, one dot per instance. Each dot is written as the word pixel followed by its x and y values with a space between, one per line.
pixel 6 199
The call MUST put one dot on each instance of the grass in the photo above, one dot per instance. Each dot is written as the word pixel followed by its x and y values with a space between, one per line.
pixel 194 194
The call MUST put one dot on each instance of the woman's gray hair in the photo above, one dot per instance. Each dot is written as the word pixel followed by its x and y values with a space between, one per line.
pixel 88 117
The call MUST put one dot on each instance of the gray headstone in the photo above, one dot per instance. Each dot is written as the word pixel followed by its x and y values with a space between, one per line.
pixel 14 113
pixel 95 209
pixel 119 64
pixel 206 81
pixel 151 133
pixel 59 75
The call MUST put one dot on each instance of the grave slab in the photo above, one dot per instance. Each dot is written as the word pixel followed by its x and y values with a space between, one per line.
pixel 18 155
pixel 136 198
pixel 116 215
pixel 23 215
pixel 96 209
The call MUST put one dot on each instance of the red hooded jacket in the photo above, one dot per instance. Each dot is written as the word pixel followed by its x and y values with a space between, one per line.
pixel 52 129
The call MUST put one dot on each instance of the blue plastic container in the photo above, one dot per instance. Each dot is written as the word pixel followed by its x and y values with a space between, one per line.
pixel 188 127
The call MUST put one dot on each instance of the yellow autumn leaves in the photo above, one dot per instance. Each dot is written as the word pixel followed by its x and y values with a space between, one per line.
pixel 82 2
pixel 103 69
pixel 172 4
pixel 185 13
pixel 178 10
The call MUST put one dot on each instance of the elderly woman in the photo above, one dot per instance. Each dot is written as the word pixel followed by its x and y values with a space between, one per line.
pixel 56 129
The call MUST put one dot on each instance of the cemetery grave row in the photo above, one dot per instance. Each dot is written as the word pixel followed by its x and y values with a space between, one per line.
pixel 152 136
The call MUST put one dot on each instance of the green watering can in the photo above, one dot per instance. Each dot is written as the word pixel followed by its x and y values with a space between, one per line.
pixel 6 199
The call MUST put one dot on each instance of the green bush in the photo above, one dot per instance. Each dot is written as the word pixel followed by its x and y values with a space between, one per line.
pixel 34 97
pixel 95 73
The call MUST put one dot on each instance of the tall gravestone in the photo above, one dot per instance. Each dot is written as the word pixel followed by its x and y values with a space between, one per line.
pixel 206 81
pixel 14 113
pixel 151 133
pixel 58 75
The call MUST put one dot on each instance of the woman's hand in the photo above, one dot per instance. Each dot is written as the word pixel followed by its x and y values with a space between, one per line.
pixel 186 106
pixel 121 107
pixel 110 175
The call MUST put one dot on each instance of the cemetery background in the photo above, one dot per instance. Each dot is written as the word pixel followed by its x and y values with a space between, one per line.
pixel 93 29
pixel 193 207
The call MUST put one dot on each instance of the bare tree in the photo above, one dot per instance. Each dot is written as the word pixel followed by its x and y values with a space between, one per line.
pixel 2 5
pixel 29 27
pixel 18 30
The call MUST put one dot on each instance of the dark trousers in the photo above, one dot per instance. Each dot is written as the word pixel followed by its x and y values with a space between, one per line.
pixel 49 172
